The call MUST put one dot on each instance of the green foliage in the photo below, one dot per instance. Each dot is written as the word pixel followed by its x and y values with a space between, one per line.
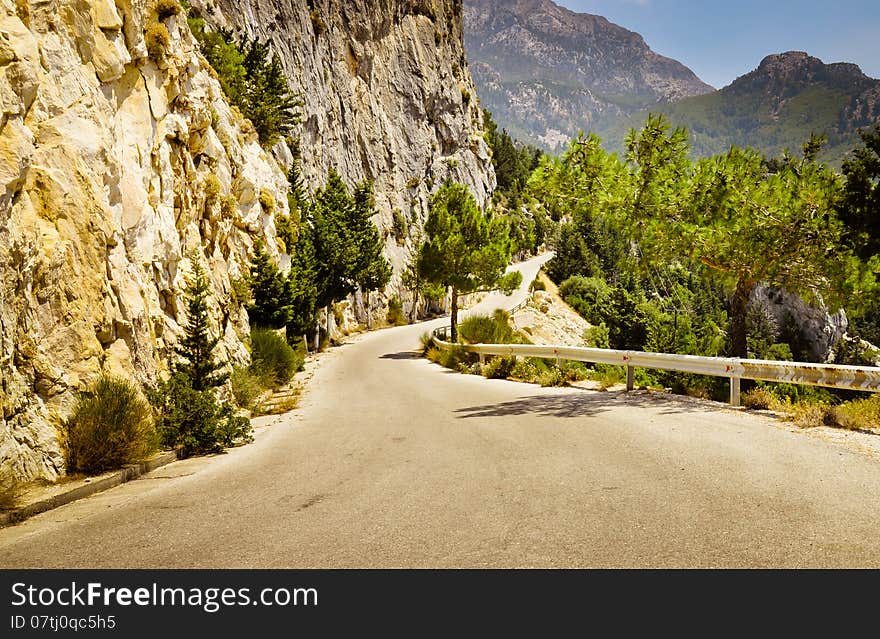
pixel 247 387
pixel 465 250
pixel 192 421
pixel 399 226
pixel 499 368
pixel 862 414
pixel 537 285
pixel 485 329
pixel 166 9
pixel 453 358
pixel 513 165
pixel 860 203
pixel 348 248
pixel 395 315
pixel 157 40
pixel 10 491
pixel 271 306
pixel 273 359
pixel 111 426
pixel 759 399
pixel 196 348
pixel 252 79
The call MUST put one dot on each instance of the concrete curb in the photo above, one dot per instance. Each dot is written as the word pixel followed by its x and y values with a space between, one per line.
pixel 105 483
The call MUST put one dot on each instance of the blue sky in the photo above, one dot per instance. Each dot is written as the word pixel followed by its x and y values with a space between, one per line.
pixel 722 40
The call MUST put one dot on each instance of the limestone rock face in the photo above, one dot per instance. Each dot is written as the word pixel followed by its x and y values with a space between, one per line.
pixel 812 329
pixel 120 160
pixel 388 96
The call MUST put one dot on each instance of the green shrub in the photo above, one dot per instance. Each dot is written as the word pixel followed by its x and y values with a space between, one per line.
pixel 499 368
pixel 193 422
pixel 157 40
pixel 167 8
pixel 811 414
pixel 483 329
pixel 552 377
pixel 111 426
pixel 452 359
pixel 427 342
pixel 538 285
pixel 10 490
pixel 597 337
pixel 395 315
pixel 608 376
pixel 273 358
pixel 246 387
pixel 574 371
pixel 859 415
pixel 525 370
pixel 759 399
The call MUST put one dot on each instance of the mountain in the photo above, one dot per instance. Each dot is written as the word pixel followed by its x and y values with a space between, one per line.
pixel 774 107
pixel 546 72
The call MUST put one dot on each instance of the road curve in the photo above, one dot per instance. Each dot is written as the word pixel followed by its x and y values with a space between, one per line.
pixel 390 461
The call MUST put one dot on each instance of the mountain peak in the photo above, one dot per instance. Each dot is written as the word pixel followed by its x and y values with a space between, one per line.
pixel 546 71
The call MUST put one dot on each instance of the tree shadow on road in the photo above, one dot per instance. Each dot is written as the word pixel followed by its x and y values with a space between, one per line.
pixel 583 404
pixel 402 356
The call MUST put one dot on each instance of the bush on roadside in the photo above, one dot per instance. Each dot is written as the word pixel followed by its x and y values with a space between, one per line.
pixel 499 368
pixel 272 358
pixel 111 426
pixel 10 490
pixel 395 315
pixel 194 422
pixel 759 399
pixel 485 329
pixel 427 342
pixel 862 414
pixel 246 387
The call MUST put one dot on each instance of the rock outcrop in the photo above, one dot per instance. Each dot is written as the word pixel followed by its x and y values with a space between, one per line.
pixel 120 161
pixel 813 332
pixel 387 96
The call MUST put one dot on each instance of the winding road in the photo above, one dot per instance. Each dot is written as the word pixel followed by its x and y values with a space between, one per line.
pixel 391 461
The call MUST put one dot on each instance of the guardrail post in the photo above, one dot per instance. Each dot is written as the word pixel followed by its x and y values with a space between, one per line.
pixel 630 378
pixel 734 391
pixel 482 359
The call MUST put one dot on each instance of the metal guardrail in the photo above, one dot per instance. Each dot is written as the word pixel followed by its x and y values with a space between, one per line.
pixel 860 378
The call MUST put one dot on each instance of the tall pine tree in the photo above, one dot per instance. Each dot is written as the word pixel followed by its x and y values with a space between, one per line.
pixel 196 349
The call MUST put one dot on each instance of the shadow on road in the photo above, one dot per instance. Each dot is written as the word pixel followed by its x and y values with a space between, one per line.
pixel 578 404
pixel 402 356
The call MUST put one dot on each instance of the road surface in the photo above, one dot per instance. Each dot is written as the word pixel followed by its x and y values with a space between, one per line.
pixel 390 461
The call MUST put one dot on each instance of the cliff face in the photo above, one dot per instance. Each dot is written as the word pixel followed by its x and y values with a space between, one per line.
pixel 387 91
pixel 119 160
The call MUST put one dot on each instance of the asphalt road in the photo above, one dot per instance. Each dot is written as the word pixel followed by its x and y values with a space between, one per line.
pixel 390 461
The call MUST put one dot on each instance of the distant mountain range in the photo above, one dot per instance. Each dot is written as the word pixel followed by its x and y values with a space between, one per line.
pixel 775 107
pixel 546 72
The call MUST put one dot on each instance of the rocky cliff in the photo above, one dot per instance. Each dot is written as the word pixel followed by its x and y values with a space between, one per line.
pixel 387 91
pixel 120 160
pixel 546 72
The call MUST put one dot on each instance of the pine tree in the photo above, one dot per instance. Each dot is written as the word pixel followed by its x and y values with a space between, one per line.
pixel 465 250
pixel 301 288
pixel 197 346
pixel 271 301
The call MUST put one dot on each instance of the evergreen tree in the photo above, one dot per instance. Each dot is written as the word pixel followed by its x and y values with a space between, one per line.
pixel 271 299
pixel 197 346
pixel 860 205
pixel 348 249
pixel 301 288
pixel 373 270
pixel 465 251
